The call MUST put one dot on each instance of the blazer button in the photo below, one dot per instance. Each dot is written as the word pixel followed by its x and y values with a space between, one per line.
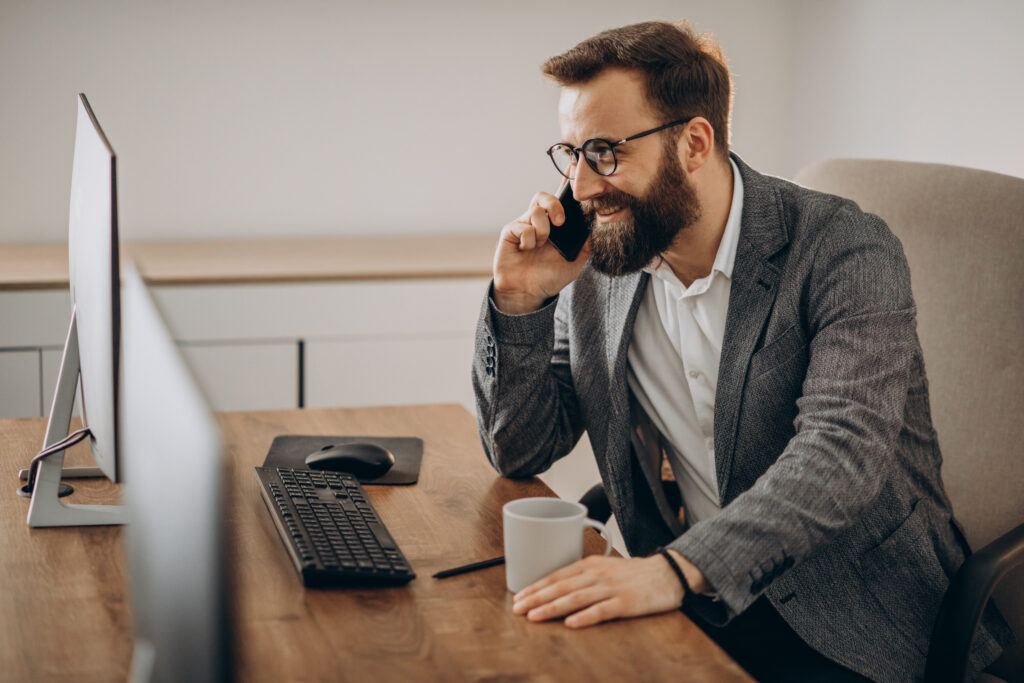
pixel 490 371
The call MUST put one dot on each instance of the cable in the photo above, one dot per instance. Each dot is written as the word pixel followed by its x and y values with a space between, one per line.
pixel 67 442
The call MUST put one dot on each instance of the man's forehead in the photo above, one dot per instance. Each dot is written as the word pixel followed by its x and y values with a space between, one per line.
pixel 610 105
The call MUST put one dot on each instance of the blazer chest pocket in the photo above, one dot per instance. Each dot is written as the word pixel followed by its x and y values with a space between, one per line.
pixel 784 348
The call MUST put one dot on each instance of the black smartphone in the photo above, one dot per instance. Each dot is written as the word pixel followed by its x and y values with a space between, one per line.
pixel 570 236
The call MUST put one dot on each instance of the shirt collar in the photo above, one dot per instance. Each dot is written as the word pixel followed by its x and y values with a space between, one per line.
pixel 725 259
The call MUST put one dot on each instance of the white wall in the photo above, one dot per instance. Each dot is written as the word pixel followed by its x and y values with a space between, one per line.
pixel 264 118
pixel 246 118
pixel 920 80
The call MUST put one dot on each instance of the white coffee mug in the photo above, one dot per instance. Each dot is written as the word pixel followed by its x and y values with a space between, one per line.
pixel 542 535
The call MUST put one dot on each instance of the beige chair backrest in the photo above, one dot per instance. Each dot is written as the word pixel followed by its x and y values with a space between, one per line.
pixel 963 233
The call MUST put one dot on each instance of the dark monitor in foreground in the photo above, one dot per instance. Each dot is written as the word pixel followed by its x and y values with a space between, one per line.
pixel 92 350
pixel 174 493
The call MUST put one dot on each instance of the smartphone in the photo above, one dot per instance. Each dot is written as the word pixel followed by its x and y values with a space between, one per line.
pixel 570 236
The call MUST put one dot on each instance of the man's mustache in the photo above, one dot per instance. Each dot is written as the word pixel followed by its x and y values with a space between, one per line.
pixel 607 200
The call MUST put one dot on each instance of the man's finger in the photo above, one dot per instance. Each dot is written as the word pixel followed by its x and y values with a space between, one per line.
pixel 528 238
pixel 552 592
pixel 520 233
pixel 605 610
pixel 553 577
pixel 541 222
pixel 570 602
pixel 551 205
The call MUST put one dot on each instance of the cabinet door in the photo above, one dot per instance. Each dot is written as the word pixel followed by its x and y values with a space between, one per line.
pixel 321 310
pixel 246 375
pixel 390 370
pixel 19 384
pixel 37 318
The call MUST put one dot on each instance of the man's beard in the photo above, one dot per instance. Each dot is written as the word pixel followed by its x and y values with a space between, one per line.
pixel 669 207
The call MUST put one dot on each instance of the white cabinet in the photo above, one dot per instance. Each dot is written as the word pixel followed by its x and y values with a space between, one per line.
pixel 365 343
pixel 34 318
pixel 322 310
pixel 246 376
pixel 32 323
pixel 19 384
pixel 362 342
pixel 390 371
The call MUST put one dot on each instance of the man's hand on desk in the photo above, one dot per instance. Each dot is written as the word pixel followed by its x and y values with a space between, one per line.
pixel 599 588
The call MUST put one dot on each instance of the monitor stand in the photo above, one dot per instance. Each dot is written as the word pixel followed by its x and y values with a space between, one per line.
pixel 45 509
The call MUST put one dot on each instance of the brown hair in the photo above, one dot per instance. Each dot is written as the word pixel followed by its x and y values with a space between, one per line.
pixel 686 73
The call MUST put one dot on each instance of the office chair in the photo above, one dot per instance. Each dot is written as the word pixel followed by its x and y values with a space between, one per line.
pixel 963 234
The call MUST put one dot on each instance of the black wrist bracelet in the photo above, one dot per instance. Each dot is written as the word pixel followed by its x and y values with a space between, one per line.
pixel 687 592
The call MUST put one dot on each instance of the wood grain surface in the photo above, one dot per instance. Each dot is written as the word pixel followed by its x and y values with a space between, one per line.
pixel 65 609
pixel 45 266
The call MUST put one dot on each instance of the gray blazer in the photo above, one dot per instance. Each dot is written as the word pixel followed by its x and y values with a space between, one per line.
pixel 827 462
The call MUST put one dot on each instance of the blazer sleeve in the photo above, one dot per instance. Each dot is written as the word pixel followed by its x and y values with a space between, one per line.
pixel 527 410
pixel 861 323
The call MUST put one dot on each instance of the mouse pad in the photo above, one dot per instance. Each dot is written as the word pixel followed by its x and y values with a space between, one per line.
pixel 291 451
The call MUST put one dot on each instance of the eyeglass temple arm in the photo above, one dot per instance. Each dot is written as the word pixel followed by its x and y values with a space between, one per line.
pixel 654 130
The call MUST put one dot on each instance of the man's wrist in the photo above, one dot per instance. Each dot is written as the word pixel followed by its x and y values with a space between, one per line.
pixel 694 576
pixel 516 304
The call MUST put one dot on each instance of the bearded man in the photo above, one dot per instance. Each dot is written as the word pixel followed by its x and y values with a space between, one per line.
pixel 752 339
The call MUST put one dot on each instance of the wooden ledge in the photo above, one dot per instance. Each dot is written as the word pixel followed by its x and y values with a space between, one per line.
pixel 322 259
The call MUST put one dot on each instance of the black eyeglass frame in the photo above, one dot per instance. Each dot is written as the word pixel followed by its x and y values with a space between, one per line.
pixel 576 151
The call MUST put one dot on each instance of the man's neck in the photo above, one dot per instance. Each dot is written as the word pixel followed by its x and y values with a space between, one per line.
pixel 692 254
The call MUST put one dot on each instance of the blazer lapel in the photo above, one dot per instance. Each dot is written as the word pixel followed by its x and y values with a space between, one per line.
pixel 624 297
pixel 754 285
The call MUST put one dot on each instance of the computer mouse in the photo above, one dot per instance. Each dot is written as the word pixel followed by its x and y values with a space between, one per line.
pixel 365 460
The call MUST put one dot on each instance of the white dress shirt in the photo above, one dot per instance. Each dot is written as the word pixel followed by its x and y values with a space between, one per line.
pixel 673 363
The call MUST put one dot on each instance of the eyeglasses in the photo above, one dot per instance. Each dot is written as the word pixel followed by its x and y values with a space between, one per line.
pixel 598 152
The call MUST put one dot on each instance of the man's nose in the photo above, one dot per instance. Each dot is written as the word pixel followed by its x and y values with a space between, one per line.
pixel 587 183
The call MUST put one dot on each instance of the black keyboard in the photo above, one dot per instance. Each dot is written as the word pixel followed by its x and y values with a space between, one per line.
pixel 333 534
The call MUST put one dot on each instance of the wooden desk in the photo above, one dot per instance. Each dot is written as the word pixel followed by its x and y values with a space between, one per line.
pixel 65 611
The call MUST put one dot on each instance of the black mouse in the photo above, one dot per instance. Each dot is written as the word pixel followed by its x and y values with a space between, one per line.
pixel 364 460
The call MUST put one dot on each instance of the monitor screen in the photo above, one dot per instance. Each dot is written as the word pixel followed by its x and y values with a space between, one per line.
pixel 94 279
pixel 174 493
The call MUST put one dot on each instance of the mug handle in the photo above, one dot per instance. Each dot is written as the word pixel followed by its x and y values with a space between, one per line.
pixel 594 524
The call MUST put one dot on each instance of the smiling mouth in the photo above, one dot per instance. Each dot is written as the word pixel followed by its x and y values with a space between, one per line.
pixel 609 213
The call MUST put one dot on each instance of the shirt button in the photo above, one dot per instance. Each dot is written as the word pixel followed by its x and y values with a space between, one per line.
pixel 694 374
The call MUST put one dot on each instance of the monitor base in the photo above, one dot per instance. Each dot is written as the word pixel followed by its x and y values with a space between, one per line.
pixel 45 508
pixel 63 491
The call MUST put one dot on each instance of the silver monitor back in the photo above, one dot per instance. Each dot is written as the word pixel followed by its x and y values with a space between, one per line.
pixel 93 274
pixel 92 350
pixel 173 467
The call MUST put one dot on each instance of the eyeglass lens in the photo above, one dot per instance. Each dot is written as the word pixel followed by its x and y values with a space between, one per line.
pixel 598 153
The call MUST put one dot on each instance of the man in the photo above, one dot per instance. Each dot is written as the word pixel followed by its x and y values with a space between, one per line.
pixel 759 337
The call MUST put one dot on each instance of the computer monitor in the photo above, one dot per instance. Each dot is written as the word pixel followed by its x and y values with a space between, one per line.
pixel 91 352
pixel 176 542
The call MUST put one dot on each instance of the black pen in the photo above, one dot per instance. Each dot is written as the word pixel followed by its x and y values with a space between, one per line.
pixel 494 561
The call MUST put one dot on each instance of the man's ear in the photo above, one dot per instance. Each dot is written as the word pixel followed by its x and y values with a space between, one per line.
pixel 696 144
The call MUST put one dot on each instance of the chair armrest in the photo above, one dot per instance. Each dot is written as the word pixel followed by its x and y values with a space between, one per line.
pixel 596 502
pixel 598 507
pixel 964 602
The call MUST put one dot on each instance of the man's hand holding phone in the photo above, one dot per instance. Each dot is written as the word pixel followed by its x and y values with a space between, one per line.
pixel 528 268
